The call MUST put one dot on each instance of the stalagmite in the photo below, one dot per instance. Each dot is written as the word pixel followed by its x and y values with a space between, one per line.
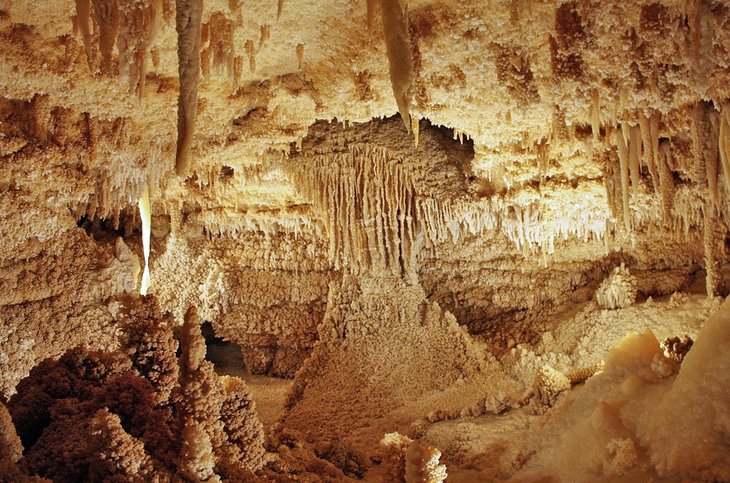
pixel 618 290
pixel 188 20
pixel 422 465
pixel 192 344
pixel 146 217
pixel 394 14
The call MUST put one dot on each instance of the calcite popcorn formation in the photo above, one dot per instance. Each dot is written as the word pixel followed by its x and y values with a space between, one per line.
pixel 384 240
pixel 618 290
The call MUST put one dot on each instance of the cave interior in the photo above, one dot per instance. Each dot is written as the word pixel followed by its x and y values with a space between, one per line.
pixel 380 240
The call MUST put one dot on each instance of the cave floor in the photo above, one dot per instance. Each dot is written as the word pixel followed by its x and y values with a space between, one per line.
pixel 495 446
pixel 269 393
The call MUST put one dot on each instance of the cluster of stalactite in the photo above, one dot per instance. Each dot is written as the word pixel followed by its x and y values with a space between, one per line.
pixel 369 207
pixel 130 25
pixel 705 172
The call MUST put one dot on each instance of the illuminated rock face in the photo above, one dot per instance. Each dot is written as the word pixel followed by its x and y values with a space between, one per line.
pixel 421 213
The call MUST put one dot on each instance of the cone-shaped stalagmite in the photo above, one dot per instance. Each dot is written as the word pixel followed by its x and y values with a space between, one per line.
pixel 189 16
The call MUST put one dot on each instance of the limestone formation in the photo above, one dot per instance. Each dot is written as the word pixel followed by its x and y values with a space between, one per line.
pixel 392 240
pixel 618 290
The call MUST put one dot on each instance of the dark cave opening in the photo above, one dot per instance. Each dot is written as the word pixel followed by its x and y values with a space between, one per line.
pixel 227 357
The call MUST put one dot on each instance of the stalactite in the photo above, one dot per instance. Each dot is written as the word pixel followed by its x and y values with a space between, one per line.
pixel 713 237
pixel 300 56
pixel 83 14
pixel 75 25
pixel 610 181
pixel 154 20
pixel 155 55
pixel 724 143
pixel 248 47
pixel 372 5
pixel 265 35
pixel 608 136
pixel 415 125
pixel 559 126
pixel 368 203
pixel 701 23
pixel 279 9
pixel 205 63
pixel 221 32
pixel 459 135
pixel 595 115
pixel 634 157
pixel 188 19
pixel 106 13
pixel 146 217
pixel 205 34
pixel 543 156
pixel 711 159
pixel 235 5
pixel 139 25
pixel 699 128
pixel 666 180
pixel 394 14
pixel 650 142
pixel 237 70
pixel 623 156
